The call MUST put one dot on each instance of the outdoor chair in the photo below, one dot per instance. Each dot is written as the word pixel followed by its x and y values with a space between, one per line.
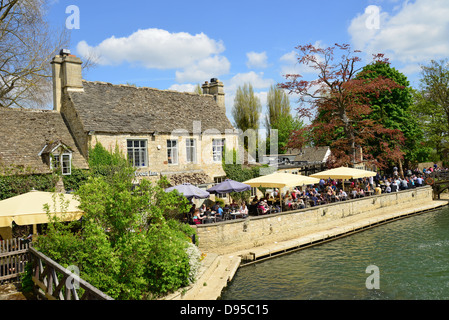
pixel 226 214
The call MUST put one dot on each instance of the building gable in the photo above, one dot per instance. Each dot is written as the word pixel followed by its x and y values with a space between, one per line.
pixel 27 135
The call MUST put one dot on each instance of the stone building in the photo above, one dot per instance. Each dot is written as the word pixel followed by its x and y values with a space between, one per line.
pixel 175 134
pixel 36 142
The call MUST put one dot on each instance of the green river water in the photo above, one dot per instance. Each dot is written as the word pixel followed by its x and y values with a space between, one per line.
pixel 410 259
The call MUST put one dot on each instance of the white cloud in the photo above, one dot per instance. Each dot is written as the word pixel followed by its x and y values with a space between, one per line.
pixel 210 67
pixel 154 48
pixel 290 64
pixel 257 60
pixel 196 57
pixel 416 32
pixel 255 79
pixel 259 83
pixel 185 87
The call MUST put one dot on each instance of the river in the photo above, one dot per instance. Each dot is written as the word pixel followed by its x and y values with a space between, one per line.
pixel 405 259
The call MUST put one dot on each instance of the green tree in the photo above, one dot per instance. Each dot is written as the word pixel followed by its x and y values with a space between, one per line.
pixel 247 108
pixel 198 89
pixel 279 118
pixel 278 105
pixel 127 245
pixel 432 106
pixel 392 109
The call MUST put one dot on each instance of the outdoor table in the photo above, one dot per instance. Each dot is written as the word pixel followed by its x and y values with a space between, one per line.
pixel 234 214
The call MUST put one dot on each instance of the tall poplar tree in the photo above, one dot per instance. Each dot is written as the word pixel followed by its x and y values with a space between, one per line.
pixel 247 108
pixel 279 117
pixel 278 105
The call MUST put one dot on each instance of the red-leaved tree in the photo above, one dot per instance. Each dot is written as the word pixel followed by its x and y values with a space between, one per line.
pixel 338 105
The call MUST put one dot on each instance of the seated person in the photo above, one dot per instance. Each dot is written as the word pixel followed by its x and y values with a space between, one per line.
pixel 343 195
pixel 262 207
pixel 197 219
pixel 288 203
pixel 219 214
pixel 301 204
pixel 377 190
pixel 205 216
pixel 255 200
pixel 321 199
pixel 216 206
pixel 244 209
pixel 314 198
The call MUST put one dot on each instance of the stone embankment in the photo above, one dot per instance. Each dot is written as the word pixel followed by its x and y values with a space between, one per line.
pixel 295 230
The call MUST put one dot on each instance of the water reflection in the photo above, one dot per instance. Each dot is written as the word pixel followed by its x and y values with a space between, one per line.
pixel 412 256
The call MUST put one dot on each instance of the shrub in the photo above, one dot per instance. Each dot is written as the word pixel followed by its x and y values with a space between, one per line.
pixel 127 245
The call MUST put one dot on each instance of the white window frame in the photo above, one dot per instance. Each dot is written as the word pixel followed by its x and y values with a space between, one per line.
pixel 66 164
pixel 191 150
pixel 58 161
pixel 142 152
pixel 172 151
pixel 217 149
pixel 218 180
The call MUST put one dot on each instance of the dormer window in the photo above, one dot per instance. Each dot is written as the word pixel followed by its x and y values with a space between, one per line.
pixel 62 161
pixel 58 156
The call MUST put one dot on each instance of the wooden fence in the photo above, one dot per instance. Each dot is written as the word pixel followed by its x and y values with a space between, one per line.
pixel 54 282
pixel 51 280
pixel 13 258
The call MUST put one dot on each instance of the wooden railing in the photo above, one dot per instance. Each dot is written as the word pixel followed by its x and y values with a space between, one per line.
pixel 54 282
pixel 13 258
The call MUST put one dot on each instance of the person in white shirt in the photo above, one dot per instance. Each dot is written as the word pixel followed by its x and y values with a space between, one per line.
pixel 244 209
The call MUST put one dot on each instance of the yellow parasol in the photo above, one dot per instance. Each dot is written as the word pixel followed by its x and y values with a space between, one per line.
pixel 28 208
pixel 281 180
pixel 343 173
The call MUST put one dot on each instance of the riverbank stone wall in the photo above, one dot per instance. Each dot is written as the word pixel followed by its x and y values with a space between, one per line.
pixel 242 234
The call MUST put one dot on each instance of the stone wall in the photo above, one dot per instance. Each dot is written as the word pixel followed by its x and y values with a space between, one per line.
pixel 157 154
pixel 255 231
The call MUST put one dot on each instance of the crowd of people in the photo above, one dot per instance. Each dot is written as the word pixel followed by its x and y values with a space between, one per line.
pixel 326 191
pixel 216 213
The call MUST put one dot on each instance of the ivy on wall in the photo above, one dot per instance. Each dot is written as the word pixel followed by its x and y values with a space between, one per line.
pixel 101 163
pixel 11 186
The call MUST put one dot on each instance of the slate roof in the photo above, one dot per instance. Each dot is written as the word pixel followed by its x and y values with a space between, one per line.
pixel 23 135
pixel 108 108
pixel 312 154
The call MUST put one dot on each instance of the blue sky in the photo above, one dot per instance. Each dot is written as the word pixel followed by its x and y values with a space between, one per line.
pixel 177 44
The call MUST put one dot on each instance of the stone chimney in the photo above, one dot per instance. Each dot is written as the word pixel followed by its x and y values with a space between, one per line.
pixel 215 88
pixel 66 72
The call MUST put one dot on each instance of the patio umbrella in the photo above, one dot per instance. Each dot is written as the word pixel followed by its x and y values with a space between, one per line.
pixel 28 208
pixel 189 191
pixel 344 173
pixel 228 186
pixel 281 180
